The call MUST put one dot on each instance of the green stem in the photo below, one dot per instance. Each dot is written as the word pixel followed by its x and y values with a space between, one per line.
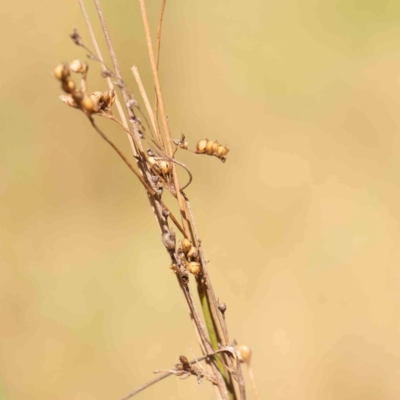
pixel 212 332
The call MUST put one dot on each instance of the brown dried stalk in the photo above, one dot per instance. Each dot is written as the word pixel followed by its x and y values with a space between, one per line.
pixel 156 170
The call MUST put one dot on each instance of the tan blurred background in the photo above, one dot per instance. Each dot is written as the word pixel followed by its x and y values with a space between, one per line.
pixel 301 225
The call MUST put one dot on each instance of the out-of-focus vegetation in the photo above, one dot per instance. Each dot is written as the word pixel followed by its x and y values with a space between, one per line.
pixel 301 225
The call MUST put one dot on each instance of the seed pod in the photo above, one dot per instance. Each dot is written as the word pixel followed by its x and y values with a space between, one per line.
pixel 215 147
pixel 68 99
pixel 193 253
pixel 90 104
pixel 209 147
pixel 220 150
pixel 165 167
pixel 61 72
pixel 68 85
pixel 186 245
pixel 224 151
pixel 244 354
pixel 194 267
pixel 97 94
pixel 78 66
pixel 109 98
pixel 201 146
pixel 151 161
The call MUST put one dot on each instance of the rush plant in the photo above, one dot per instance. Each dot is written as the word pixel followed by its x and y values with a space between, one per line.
pixel 155 166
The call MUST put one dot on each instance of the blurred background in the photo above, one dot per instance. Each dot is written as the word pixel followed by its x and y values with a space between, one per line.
pixel 300 225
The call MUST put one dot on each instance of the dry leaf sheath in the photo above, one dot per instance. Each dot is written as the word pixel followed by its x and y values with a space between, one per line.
pixel 156 167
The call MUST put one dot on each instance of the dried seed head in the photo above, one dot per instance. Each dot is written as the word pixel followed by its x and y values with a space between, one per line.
pixel 209 147
pixel 201 146
pixel 90 104
pixel 186 245
pixel 194 267
pixel 78 66
pixel 61 72
pixel 193 253
pixel 68 99
pixel 244 354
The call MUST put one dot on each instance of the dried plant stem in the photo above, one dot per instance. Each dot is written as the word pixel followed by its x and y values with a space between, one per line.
pixel 130 166
pixel 167 374
pixel 211 306
pixel 109 81
pixel 253 382
pixel 158 46
pixel 163 113
pixel 139 82
pixel 147 385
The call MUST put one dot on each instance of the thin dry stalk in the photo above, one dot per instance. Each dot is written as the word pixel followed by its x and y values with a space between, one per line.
pixel 158 47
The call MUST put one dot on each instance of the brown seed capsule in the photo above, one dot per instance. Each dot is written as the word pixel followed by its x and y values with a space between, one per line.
pixel 186 245
pixel 224 151
pixel 193 253
pixel 209 147
pixel 78 66
pixel 194 267
pixel 61 72
pixel 220 150
pixel 215 147
pixel 201 146
pixel 244 354
pixel 68 85
pixel 165 167
pixel 90 104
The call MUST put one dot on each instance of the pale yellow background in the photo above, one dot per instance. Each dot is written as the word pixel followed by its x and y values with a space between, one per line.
pixel 301 225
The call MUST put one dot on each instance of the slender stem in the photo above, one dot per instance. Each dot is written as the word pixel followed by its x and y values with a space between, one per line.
pixel 130 166
pixel 139 82
pixel 146 385
pixel 167 374
pixel 253 382
pixel 109 80
pixel 163 114
pixel 158 46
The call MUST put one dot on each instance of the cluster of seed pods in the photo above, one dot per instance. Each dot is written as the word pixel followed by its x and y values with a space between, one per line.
pixel 189 256
pixel 163 167
pixel 77 97
pixel 212 148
